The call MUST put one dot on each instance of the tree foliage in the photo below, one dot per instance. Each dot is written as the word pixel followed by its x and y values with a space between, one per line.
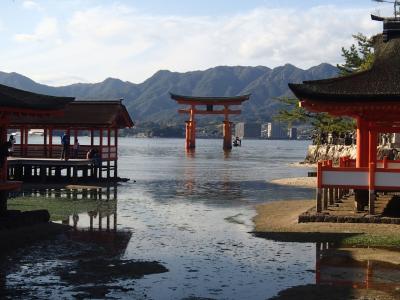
pixel 322 123
pixel 358 57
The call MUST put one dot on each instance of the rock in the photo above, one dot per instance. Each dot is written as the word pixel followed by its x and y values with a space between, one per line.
pixel 326 152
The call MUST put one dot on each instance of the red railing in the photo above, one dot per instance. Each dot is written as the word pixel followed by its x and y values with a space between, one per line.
pixel 45 151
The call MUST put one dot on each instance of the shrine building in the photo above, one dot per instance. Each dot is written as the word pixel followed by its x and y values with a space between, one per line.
pixel 372 98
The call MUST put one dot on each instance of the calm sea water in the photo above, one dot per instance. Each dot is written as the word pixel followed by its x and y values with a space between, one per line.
pixel 192 213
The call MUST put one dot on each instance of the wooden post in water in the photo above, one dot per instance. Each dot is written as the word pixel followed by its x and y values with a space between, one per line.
pixel 109 151
pixel 372 196
pixel 319 188
pixel 116 153
pixel 227 132
pixel 326 201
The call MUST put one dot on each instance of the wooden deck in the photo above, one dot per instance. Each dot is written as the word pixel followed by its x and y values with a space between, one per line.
pixel 15 161
pixel 58 170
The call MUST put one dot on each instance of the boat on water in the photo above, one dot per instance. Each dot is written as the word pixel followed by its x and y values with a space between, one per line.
pixel 237 142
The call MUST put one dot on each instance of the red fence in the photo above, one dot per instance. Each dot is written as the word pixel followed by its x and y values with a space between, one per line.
pixel 45 151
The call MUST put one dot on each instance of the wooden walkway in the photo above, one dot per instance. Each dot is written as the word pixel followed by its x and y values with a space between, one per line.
pixel 14 161
pixel 57 170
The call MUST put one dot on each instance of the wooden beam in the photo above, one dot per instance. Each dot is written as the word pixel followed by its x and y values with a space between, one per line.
pixel 223 102
pixel 215 112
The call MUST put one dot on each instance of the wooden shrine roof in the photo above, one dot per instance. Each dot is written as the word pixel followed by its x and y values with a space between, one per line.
pixel 19 101
pixel 210 100
pixel 379 84
pixel 82 114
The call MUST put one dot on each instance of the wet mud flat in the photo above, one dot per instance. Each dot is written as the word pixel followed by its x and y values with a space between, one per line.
pixel 330 292
pixel 64 267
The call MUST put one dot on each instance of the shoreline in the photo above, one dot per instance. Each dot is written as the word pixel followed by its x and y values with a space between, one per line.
pixel 278 221
pixel 301 182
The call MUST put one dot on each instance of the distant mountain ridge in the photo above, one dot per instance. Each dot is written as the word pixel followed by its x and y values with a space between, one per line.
pixel 150 101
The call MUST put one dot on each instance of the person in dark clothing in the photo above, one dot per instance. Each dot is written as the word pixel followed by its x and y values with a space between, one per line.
pixel 65 142
pixel 4 152
pixel 392 154
pixel 12 141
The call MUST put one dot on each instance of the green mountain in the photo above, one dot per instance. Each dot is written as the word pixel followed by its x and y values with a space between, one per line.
pixel 150 102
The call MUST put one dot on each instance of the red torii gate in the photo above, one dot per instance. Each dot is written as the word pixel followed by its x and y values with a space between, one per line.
pixel 209 102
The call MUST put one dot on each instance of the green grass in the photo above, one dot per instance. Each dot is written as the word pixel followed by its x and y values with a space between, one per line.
pixel 341 239
pixel 367 240
pixel 60 208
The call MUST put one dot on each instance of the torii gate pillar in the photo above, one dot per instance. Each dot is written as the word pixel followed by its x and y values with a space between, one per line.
pixel 191 131
pixel 227 135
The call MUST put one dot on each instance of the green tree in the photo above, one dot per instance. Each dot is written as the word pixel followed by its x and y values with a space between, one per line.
pixel 322 123
pixel 359 57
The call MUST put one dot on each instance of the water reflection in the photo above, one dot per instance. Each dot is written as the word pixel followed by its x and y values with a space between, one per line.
pixel 222 192
pixel 72 193
pixel 85 261
pixel 339 267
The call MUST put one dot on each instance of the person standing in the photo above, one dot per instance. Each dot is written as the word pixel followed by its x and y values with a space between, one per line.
pixel 65 142
pixel 12 142
pixel 75 147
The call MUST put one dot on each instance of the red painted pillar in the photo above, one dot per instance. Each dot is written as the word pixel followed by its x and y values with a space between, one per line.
pixel 109 142
pixel 372 146
pixel 187 135
pixel 362 161
pixel 362 144
pixel 91 138
pixel 22 137
pixel 3 140
pixel 101 153
pixel 116 153
pixel 26 130
pixel 51 142
pixel 191 130
pixel 101 142
pixel 45 142
pixel 227 135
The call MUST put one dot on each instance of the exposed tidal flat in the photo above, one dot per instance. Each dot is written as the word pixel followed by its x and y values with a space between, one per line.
pixel 182 231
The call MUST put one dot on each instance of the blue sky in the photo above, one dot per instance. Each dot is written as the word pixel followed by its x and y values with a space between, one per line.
pixel 65 41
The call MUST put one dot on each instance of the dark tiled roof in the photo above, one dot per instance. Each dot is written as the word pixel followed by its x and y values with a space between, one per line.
pixel 182 98
pixel 380 83
pixel 12 98
pixel 83 114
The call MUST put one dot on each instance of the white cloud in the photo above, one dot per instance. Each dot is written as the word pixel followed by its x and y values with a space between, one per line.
pixel 46 29
pixel 29 4
pixel 119 41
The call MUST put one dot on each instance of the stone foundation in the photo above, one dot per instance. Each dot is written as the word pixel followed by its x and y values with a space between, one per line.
pixel 317 153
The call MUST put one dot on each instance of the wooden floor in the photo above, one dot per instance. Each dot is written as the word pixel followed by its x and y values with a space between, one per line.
pixel 59 170
pixel 12 161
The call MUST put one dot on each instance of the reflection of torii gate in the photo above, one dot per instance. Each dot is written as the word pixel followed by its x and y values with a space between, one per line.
pixel 209 102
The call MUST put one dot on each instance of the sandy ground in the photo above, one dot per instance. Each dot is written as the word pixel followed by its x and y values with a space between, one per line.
pixel 281 216
pixel 303 165
pixel 328 292
pixel 306 182
pixel 279 219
